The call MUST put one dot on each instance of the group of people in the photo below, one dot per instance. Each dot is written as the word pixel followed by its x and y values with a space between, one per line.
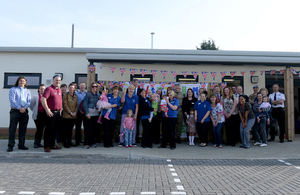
pixel 56 110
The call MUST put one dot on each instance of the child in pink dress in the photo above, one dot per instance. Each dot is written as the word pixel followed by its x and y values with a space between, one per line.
pixel 103 104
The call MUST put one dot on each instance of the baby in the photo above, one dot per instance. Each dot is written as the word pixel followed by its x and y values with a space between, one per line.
pixel 265 107
pixel 163 105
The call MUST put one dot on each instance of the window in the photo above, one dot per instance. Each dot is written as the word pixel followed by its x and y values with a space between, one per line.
pixel 235 81
pixel 83 78
pixel 33 79
pixel 147 77
pixel 188 79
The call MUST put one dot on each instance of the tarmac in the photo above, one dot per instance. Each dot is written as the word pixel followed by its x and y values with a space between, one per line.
pixel 274 150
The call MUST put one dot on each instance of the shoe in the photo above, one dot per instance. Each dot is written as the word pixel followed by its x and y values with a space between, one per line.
pixel 111 145
pixel 134 145
pixel 94 146
pixel 47 149
pixel 193 144
pixel 270 140
pixel 282 141
pixel 86 147
pixel 143 146
pixel 220 146
pixel 56 148
pixel 126 146
pixel 162 146
pixel 257 144
pixel 178 140
pixel 131 146
pixel 121 144
pixel 22 148
pixel 76 144
pixel 67 146
pixel 106 146
pixel 172 148
pixel 9 149
pixel 60 144
pixel 246 147
pixel 150 146
pixel 263 145
pixel 35 145
pixel 41 145
pixel 241 146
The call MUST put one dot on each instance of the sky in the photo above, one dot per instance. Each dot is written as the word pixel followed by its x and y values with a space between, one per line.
pixel 257 25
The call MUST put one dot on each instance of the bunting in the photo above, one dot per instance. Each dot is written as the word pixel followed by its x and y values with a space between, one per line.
pixel 111 84
pixel 92 67
pixel 232 73
pixel 153 73
pixel 132 71
pixel 262 72
pixel 204 74
pixel 122 70
pixel 101 66
pixel 224 85
pixel 174 73
pixel 213 74
pixel 152 84
pixel 243 73
pixel 293 71
pixel 143 72
pixel 195 74
pixel 112 69
pixel 142 84
pixel 282 71
pixel 122 83
pixel 164 73
pixel 185 73
pixel 156 97
pixel 223 74
pixel 203 85
pixel 252 72
pixel 272 72
pixel 102 83
pixel 162 84
pixel 212 85
pixel 130 82
pixel 173 84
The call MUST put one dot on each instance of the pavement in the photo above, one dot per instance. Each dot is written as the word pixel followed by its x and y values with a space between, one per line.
pixel 274 150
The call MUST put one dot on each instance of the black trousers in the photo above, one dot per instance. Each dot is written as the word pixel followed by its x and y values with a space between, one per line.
pixel 168 131
pixel 90 130
pixel 138 119
pixel 69 125
pixel 156 128
pixel 108 128
pixel 16 117
pixel 78 131
pixel 278 114
pixel 52 125
pixel 202 131
pixel 40 124
pixel 232 125
pixel 147 133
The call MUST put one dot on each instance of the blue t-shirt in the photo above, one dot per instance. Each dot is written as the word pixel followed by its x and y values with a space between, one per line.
pixel 202 108
pixel 112 100
pixel 173 113
pixel 130 103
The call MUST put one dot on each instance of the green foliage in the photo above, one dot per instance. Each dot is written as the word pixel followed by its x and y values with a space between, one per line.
pixel 208 45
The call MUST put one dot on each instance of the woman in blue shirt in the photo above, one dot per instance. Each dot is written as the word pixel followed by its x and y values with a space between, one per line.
pixel 202 119
pixel 144 110
pixel 168 123
pixel 19 98
pixel 109 125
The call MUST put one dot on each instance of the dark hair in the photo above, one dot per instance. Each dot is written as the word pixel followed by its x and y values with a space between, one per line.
pixel 56 76
pixel 142 90
pixel 190 89
pixel 63 85
pixel 133 80
pixel 41 85
pixel 115 87
pixel 17 81
pixel 204 92
pixel 192 109
pixel 72 84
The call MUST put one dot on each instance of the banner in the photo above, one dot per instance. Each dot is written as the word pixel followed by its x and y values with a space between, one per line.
pixel 174 73
pixel 153 73
pixel 122 70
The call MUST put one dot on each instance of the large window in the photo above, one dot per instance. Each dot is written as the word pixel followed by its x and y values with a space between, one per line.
pixel 235 81
pixel 33 79
pixel 147 77
pixel 187 79
pixel 83 78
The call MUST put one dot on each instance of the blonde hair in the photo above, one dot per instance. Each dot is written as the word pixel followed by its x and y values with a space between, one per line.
pixel 131 87
pixel 263 89
pixel 266 97
pixel 172 92
pixel 230 92
pixel 129 111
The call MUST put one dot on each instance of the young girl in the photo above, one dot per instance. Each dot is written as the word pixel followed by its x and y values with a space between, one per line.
pixel 265 105
pixel 154 103
pixel 163 105
pixel 191 126
pixel 218 119
pixel 128 124
pixel 103 104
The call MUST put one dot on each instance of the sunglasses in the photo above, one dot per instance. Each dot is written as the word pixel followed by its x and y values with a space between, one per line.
pixel 94 86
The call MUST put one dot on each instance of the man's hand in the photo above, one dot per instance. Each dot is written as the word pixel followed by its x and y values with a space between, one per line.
pixel 49 113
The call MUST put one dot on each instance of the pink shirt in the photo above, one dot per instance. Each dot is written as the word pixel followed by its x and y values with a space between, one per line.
pixel 54 98
pixel 128 122
pixel 40 107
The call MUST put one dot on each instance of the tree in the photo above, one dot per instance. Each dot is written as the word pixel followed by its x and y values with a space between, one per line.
pixel 208 45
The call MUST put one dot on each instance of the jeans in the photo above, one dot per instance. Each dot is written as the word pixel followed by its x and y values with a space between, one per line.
pixel 133 133
pixel 128 137
pixel 17 117
pixel 245 132
pixel 262 125
pixel 217 131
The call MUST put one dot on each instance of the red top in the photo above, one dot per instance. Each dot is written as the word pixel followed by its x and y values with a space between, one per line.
pixel 54 98
pixel 128 122
pixel 40 107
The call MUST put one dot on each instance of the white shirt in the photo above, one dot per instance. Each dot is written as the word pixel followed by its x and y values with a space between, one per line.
pixel 279 96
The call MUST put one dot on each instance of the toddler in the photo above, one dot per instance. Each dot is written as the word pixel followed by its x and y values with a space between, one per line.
pixel 191 126
pixel 103 104
pixel 128 124
pixel 154 98
pixel 163 105
pixel 265 105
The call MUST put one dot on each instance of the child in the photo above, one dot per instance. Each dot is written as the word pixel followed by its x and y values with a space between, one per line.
pixel 191 127
pixel 103 104
pixel 128 124
pixel 163 105
pixel 265 105
pixel 154 103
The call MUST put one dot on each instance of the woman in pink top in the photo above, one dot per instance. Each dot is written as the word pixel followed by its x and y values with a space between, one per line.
pixel 128 124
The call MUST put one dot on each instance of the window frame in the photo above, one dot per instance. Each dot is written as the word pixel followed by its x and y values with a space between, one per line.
pixel 8 74
pixel 187 77
pixel 81 75
pixel 140 77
